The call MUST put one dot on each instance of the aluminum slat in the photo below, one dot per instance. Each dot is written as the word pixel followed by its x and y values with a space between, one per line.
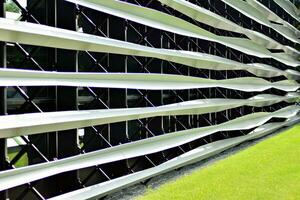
pixel 193 156
pixel 258 16
pixel 160 20
pixel 34 34
pixel 34 123
pixel 149 81
pixel 290 8
pixel 273 16
pixel 15 177
pixel 210 18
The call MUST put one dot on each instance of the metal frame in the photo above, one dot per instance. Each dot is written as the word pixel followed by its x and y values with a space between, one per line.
pixel 46 147
pixel 3 105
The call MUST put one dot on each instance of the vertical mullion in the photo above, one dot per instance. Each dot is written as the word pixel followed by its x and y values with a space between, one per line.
pixel 3 106
pixel 118 132
pixel 66 97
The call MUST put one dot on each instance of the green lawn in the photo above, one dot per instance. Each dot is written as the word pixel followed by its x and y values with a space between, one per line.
pixel 269 170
